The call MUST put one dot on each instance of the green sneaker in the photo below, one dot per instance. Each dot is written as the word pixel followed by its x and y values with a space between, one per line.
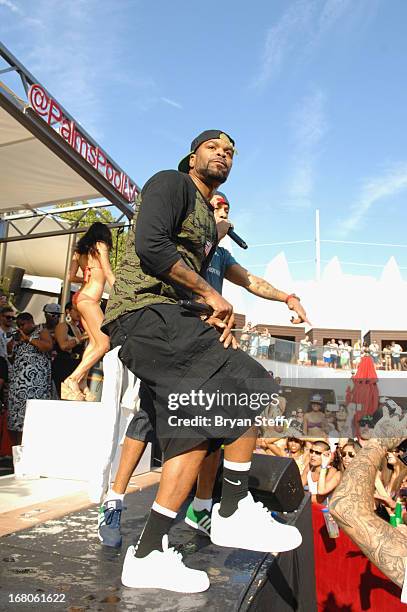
pixel 199 519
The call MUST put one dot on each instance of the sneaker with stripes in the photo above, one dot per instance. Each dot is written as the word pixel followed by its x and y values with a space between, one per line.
pixel 199 519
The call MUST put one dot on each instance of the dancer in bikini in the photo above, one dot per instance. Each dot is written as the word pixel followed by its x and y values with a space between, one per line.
pixel 92 257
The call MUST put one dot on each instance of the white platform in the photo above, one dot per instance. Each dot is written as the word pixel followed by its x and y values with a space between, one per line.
pixel 81 440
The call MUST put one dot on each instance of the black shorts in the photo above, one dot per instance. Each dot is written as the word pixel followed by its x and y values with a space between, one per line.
pixel 141 427
pixel 201 391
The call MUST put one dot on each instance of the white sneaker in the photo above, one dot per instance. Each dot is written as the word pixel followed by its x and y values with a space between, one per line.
pixel 162 570
pixel 252 527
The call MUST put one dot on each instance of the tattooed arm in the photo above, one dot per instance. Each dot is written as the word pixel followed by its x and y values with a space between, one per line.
pixel 352 507
pixel 238 275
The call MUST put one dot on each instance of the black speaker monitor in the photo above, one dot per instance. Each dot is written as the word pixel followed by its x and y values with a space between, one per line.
pixel 276 481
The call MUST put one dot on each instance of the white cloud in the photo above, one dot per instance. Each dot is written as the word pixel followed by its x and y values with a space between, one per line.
pixel 300 30
pixel 12 6
pixel 390 183
pixel 280 39
pixel 172 103
pixel 309 126
pixel 331 12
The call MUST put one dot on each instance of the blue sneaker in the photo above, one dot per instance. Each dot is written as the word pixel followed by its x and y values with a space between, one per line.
pixel 109 523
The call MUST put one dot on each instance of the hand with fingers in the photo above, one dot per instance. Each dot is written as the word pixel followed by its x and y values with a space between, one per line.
pixel 222 319
pixel 294 304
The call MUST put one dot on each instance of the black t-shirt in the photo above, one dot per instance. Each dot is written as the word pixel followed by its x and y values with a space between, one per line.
pixel 172 220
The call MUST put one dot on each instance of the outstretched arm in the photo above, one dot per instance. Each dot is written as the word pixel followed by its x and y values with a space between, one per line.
pixel 352 507
pixel 258 286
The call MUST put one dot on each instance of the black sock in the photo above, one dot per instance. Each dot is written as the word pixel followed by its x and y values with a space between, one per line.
pixel 157 526
pixel 235 486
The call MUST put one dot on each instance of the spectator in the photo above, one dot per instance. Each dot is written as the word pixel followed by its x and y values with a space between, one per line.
pixel 69 339
pixel 327 355
pixel 254 344
pixel 345 355
pixel 374 350
pixel 314 421
pixel 3 299
pixel 333 348
pixel 264 344
pixel 396 355
pixel 313 353
pixel 356 354
pixel 331 425
pixel 366 426
pixel 7 318
pixel 304 350
pixel 327 482
pixel 344 422
pixel 389 481
pixel 387 357
pixel 31 372
pixel 318 474
pixel 245 337
pixel 296 450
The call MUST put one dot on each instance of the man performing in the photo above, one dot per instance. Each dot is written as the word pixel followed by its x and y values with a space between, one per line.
pixel 223 265
pixel 175 353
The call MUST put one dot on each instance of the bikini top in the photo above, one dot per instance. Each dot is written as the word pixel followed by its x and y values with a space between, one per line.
pixel 319 425
pixel 87 272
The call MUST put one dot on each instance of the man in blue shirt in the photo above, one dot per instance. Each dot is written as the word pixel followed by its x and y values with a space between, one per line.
pixel 224 265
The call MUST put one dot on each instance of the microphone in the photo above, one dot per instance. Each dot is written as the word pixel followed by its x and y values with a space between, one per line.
pixel 239 241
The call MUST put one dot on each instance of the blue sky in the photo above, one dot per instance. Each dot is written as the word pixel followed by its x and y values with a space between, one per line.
pixel 313 91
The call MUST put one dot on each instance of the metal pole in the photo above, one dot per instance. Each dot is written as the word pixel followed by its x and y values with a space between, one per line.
pixel 3 234
pixel 67 284
pixel 317 247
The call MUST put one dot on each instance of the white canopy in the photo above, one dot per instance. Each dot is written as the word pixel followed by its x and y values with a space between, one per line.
pixel 31 174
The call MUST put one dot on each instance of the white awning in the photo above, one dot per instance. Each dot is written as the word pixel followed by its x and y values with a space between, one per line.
pixel 31 174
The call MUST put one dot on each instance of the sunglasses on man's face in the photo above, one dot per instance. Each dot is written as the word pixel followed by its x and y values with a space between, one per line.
pixel 9 317
pixel 315 452
pixel 348 453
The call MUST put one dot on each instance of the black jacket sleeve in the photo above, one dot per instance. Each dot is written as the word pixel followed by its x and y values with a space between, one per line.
pixel 163 207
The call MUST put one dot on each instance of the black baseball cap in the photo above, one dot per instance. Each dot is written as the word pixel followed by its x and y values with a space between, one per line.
pixel 183 165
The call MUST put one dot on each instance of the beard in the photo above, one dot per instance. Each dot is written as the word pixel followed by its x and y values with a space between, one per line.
pixel 213 174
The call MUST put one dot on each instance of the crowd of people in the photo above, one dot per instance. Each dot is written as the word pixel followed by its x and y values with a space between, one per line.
pixel 323 443
pixel 335 354
pixel 52 359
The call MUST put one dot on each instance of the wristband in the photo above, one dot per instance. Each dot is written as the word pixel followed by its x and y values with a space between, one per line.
pixel 292 295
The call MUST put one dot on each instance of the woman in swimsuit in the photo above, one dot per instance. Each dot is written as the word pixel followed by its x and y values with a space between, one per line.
pixel 315 423
pixel 92 257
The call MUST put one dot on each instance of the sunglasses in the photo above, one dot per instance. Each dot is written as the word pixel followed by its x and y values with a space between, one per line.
pixel 315 452
pixel 9 317
pixel 348 453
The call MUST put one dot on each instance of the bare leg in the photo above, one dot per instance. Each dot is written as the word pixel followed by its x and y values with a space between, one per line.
pixel 241 450
pixel 92 317
pixel 180 472
pixel 178 477
pixel 130 456
pixel 207 475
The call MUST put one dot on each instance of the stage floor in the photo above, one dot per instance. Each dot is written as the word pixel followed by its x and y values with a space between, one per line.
pixel 63 558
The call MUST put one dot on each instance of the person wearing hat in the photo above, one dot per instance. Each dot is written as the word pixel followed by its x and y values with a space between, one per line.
pixel 315 423
pixel 174 351
pixel 224 265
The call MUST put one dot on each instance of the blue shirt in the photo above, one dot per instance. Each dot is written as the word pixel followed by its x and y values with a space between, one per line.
pixel 215 272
